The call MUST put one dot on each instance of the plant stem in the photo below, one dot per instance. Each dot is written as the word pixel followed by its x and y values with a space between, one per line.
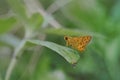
pixel 14 59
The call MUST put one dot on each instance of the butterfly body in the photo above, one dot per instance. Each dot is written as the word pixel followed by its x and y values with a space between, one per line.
pixel 78 43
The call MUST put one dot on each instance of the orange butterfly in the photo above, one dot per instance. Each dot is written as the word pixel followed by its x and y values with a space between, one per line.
pixel 78 43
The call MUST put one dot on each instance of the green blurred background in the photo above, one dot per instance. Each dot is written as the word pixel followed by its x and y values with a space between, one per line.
pixel 50 20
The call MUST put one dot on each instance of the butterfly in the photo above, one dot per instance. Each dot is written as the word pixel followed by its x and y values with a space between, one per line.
pixel 78 43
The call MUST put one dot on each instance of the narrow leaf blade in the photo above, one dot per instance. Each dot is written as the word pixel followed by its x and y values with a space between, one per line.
pixel 70 55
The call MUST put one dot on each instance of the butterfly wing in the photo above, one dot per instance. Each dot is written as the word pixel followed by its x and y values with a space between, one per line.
pixel 86 40
pixel 82 43
pixel 78 43
pixel 75 42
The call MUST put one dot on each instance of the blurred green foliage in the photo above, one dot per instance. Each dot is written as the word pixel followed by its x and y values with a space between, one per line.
pixel 44 23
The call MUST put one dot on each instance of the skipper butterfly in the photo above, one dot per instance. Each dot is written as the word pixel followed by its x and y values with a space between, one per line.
pixel 78 43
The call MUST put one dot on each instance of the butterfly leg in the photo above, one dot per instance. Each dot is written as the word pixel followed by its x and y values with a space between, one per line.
pixel 67 44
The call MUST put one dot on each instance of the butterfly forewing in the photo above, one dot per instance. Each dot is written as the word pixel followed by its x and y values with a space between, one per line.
pixel 83 43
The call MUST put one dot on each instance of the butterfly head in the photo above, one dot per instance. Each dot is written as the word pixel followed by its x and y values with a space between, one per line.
pixel 66 38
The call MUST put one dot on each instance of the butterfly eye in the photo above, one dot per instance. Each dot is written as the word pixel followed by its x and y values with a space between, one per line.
pixel 66 38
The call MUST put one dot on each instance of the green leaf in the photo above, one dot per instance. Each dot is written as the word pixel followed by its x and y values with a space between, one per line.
pixel 115 14
pixel 4 8
pixel 36 20
pixel 87 12
pixel 115 18
pixel 6 24
pixel 18 7
pixel 70 55
pixel 112 58
pixel 71 32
